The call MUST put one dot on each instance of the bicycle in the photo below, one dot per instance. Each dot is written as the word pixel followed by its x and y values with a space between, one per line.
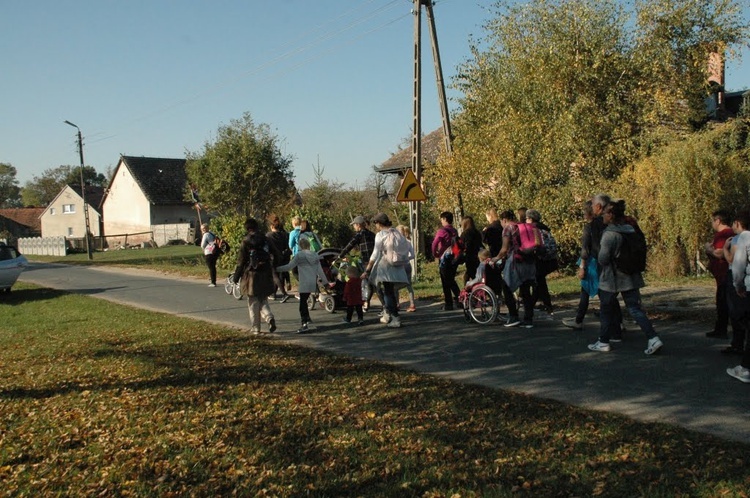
pixel 231 288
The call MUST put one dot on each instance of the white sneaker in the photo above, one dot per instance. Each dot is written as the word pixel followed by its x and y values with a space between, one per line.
pixel 212 285
pixel 600 346
pixel 385 318
pixel 571 322
pixel 394 323
pixel 740 373
pixel 654 345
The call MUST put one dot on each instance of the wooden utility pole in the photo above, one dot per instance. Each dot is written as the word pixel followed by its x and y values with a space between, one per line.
pixel 416 159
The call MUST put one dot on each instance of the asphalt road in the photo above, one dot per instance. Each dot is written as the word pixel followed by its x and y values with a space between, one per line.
pixel 685 384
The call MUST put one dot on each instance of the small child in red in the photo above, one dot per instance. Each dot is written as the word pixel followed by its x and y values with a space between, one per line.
pixel 353 295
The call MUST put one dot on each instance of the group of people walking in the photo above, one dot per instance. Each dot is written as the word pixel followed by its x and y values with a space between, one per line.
pixel 497 255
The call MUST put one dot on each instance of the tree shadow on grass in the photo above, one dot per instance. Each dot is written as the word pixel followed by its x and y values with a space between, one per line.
pixel 24 295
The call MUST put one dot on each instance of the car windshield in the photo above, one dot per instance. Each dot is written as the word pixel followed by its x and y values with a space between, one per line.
pixel 7 252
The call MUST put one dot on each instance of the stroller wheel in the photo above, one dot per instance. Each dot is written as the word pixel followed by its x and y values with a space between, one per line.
pixel 330 304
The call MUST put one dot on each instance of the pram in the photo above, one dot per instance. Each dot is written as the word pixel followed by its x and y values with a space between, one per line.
pixel 480 304
pixel 331 298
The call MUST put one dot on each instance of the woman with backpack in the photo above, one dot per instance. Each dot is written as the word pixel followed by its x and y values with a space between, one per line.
pixel 211 253
pixel 383 268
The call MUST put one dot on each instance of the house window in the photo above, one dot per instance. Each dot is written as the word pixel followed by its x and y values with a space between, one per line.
pixel 69 208
pixel 52 211
pixel 70 231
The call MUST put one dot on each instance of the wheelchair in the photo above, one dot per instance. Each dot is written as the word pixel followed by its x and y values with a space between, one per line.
pixel 231 288
pixel 480 304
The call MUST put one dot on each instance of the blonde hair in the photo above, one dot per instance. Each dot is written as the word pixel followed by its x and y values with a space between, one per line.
pixel 483 254
pixel 491 214
pixel 404 230
pixel 296 221
pixel 304 243
pixel 204 226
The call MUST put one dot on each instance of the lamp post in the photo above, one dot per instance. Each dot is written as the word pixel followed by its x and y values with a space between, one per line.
pixel 83 191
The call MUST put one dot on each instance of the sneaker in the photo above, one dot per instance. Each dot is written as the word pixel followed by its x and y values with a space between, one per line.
pixel 513 321
pixel 600 346
pixel 717 335
pixel 740 373
pixel 394 323
pixel 304 329
pixel 272 325
pixel 285 298
pixel 571 323
pixel 361 322
pixel 212 285
pixel 385 318
pixel 654 345
pixel 526 325
pixel 310 326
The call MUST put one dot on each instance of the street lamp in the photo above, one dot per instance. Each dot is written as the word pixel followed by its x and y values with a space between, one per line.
pixel 83 191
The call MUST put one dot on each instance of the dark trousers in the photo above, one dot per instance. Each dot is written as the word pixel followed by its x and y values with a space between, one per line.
pixel 304 312
pixel 541 292
pixel 722 308
pixel 510 301
pixel 738 309
pixel 583 306
pixel 471 270
pixel 450 287
pixel 211 263
pixel 390 300
pixel 350 312
pixel 278 282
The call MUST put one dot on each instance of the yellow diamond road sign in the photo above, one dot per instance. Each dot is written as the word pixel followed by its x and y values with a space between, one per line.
pixel 410 189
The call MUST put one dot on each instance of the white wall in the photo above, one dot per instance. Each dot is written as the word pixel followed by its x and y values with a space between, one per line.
pixel 126 209
pixel 56 225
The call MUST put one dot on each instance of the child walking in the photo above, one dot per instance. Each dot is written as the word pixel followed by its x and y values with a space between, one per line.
pixel 353 295
pixel 308 265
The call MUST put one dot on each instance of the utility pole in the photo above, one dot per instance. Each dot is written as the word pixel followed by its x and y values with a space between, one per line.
pixel 416 160
pixel 83 192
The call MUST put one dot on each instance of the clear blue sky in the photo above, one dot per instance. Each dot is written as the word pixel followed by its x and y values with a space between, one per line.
pixel 333 78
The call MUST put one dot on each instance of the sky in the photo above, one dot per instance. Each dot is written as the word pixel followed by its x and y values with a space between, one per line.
pixel 332 78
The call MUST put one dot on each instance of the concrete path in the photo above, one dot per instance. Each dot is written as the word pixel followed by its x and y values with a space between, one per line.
pixel 685 384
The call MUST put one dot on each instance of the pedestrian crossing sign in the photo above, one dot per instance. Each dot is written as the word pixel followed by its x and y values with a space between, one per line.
pixel 410 190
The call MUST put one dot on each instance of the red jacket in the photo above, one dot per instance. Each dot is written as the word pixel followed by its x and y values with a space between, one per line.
pixel 353 292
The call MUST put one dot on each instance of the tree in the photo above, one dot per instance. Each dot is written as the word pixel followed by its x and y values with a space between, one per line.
pixel 568 94
pixel 42 190
pixel 9 189
pixel 243 171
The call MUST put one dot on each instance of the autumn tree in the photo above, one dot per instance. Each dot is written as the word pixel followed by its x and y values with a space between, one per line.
pixel 42 189
pixel 9 189
pixel 243 171
pixel 563 95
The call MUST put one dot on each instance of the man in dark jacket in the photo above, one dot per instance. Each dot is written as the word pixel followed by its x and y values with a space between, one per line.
pixel 280 239
pixel 440 244
pixel 257 258
pixel 364 240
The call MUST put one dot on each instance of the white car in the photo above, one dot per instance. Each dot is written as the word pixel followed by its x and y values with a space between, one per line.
pixel 11 265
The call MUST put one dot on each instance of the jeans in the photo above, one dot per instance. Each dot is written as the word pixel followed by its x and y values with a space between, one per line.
pixel 390 303
pixel 583 306
pixel 609 313
pixel 510 301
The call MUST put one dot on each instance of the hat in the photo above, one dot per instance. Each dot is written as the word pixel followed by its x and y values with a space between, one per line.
pixel 359 220
pixel 533 214
pixel 382 219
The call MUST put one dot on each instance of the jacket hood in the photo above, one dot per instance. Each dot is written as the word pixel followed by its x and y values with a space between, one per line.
pixel 624 228
pixel 309 257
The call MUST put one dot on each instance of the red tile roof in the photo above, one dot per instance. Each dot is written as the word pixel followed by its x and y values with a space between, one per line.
pixel 29 217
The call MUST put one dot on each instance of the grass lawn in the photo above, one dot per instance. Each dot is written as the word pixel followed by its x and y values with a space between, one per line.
pixel 98 399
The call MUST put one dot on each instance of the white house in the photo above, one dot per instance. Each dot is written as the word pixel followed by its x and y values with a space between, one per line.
pixel 64 216
pixel 146 200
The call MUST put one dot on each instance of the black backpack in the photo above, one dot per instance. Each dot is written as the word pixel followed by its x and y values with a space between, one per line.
pixel 259 252
pixel 633 250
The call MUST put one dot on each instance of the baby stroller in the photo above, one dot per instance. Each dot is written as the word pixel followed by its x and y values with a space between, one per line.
pixel 331 297
pixel 480 304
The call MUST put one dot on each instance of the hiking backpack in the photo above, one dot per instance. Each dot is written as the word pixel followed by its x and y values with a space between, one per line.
pixel 221 246
pixel 314 241
pixel 548 251
pixel 396 248
pixel 632 256
pixel 531 241
pixel 259 254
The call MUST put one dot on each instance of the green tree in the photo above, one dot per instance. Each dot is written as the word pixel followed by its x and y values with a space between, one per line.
pixel 243 171
pixel 42 190
pixel 565 95
pixel 9 189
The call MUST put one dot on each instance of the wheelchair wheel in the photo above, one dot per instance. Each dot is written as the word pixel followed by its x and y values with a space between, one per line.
pixel 482 305
pixel 311 301
pixel 329 304
pixel 237 292
pixel 229 285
